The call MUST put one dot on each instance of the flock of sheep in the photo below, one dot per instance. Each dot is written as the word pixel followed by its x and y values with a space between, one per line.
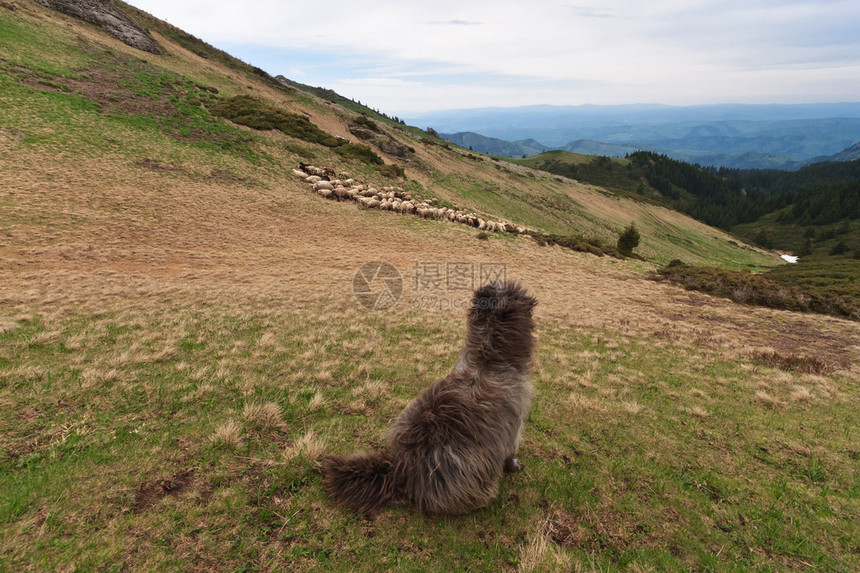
pixel 343 188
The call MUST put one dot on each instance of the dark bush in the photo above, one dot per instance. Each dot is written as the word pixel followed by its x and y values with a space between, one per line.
pixel 257 114
pixel 839 248
pixel 628 240
pixel 392 171
pixel 365 121
pixel 749 288
pixel 360 152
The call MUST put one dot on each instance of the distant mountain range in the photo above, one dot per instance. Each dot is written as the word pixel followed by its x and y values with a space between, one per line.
pixel 739 136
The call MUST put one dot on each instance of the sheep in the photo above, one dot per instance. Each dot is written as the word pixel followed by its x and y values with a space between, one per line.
pixel 393 199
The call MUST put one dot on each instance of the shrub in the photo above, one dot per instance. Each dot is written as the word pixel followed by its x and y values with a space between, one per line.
pixel 257 114
pixel 392 171
pixel 628 240
pixel 748 288
pixel 839 248
pixel 360 152
pixel 365 121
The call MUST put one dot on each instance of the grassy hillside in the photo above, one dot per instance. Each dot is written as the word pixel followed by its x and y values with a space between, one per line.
pixel 180 345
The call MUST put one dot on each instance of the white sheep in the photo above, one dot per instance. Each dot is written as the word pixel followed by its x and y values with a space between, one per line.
pixel 320 185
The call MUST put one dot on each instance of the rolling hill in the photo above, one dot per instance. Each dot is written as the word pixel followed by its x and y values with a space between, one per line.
pixel 181 341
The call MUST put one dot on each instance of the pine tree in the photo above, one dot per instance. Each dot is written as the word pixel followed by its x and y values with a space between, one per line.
pixel 628 240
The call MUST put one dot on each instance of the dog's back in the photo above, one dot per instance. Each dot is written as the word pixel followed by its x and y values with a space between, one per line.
pixel 450 446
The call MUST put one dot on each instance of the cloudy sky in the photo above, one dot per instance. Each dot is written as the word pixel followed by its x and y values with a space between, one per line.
pixel 413 55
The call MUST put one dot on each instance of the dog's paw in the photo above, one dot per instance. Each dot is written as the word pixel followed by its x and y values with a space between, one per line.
pixel 512 464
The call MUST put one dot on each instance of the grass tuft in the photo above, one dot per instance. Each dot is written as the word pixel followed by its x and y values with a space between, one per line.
pixel 229 435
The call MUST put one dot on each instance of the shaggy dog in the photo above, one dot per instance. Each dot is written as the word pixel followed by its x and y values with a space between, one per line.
pixel 449 447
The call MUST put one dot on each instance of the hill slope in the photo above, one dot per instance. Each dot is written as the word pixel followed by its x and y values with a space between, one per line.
pixel 180 343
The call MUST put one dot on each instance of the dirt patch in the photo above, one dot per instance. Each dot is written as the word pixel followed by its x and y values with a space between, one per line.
pixel 148 494
pixel 109 85
pixel 154 165
pixel 600 531
pixel 226 177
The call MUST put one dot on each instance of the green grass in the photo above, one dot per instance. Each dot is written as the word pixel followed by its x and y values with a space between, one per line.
pixel 24 43
pixel 632 456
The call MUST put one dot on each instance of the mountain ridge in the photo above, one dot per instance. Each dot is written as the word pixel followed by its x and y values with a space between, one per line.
pixel 786 136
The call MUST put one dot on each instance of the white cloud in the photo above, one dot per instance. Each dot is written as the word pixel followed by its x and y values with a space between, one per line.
pixel 508 52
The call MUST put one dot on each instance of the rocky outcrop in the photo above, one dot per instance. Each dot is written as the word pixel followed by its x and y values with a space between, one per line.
pixel 109 18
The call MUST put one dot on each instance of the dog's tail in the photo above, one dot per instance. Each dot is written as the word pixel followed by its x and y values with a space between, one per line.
pixel 363 482
pixel 501 325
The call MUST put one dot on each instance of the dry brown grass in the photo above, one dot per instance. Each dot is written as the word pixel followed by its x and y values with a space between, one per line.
pixel 228 434
pixel 263 416
pixel 310 446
